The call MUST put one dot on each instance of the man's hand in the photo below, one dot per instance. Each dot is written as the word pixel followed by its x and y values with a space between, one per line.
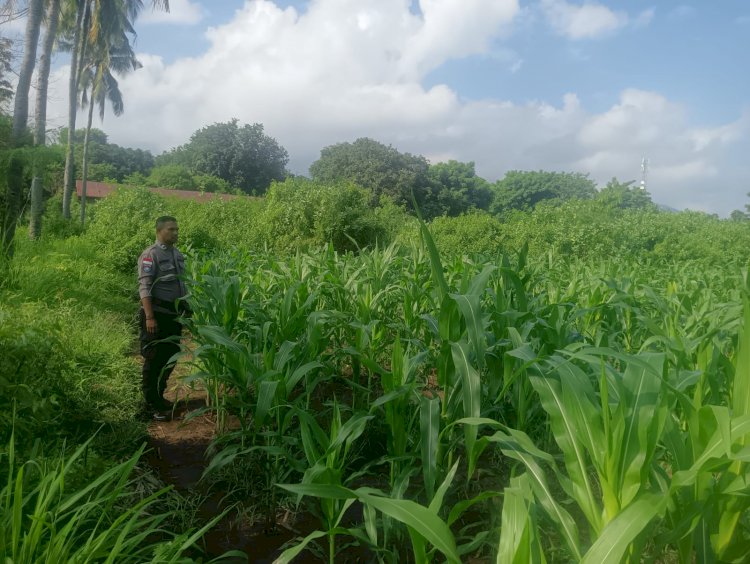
pixel 151 326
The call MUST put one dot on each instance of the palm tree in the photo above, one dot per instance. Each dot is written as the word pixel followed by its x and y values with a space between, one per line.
pixel 98 85
pixel 95 19
pixel 20 119
pixel 40 116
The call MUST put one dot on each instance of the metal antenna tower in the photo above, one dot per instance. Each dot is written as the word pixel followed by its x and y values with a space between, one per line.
pixel 644 172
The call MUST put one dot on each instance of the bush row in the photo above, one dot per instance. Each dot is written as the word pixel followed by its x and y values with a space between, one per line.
pixel 299 214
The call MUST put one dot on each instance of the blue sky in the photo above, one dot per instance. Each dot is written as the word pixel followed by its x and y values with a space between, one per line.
pixel 511 84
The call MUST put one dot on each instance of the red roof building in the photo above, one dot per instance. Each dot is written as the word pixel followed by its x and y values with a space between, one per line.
pixel 97 190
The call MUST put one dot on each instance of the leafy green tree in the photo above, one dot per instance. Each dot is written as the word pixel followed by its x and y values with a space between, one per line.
pixel 523 190
pixel 459 189
pixel 244 156
pixel 381 169
pixel 738 215
pixel 624 195
pixel 118 162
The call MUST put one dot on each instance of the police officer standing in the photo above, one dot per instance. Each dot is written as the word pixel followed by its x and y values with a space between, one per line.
pixel 160 286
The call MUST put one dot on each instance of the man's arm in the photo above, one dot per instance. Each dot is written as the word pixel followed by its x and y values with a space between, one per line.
pixel 146 268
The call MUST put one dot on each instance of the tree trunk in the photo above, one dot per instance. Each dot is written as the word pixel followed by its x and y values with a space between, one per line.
pixel 85 160
pixel 40 118
pixel 14 191
pixel 31 39
pixel 78 41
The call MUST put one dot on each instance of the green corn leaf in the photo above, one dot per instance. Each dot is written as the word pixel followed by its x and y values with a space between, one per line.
pixel 714 452
pixel 437 500
pixel 435 263
pixel 519 446
pixel 324 491
pixel 472 311
pixel 429 418
pixel 519 543
pixel 349 431
pixel 565 427
pixel 612 544
pixel 741 382
pixel 740 406
pixel 471 387
pixel 643 423
pixel 300 373
pixel 266 395
pixel 419 518
pixel 458 509
pixel 291 553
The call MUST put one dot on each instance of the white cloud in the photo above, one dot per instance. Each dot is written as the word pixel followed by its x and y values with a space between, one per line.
pixel 682 11
pixel 645 18
pixel 589 20
pixel 343 70
pixel 181 12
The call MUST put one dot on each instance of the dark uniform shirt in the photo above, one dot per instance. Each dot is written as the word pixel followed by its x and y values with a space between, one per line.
pixel 159 276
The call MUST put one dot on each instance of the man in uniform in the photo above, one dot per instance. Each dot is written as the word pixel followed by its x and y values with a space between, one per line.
pixel 160 286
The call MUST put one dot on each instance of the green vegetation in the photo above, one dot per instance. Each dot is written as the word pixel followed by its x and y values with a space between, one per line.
pixel 592 392
pixel 243 156
pixel 72 479
pixel 565 381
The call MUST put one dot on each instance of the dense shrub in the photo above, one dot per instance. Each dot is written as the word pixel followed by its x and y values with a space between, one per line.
pixel 590 229
pixel 219 224
pixel 300 213
pixel 171 176
pixel 55 225
pixel 123 225
pixel 477 232
pixel 64 367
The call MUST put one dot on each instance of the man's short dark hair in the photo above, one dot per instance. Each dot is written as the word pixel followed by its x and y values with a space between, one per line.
pixel 164 219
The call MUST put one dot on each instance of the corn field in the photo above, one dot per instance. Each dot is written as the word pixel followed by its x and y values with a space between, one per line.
pixel 505 408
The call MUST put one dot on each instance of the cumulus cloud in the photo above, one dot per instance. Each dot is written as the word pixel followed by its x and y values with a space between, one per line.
pixel 343 70
pixel 589 20
pixel 181 12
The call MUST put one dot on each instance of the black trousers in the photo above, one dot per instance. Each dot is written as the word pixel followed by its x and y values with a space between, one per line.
pixel 156 350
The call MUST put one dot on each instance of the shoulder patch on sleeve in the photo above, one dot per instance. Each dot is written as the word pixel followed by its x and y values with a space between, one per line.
pixel 148 265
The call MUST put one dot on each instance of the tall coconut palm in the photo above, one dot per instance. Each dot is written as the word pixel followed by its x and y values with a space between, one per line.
pixel 20 119
pixel 98 85
pixel 40 114
pixel 94 21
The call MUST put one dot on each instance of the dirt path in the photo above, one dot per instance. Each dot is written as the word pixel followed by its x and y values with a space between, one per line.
pixel 178 455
